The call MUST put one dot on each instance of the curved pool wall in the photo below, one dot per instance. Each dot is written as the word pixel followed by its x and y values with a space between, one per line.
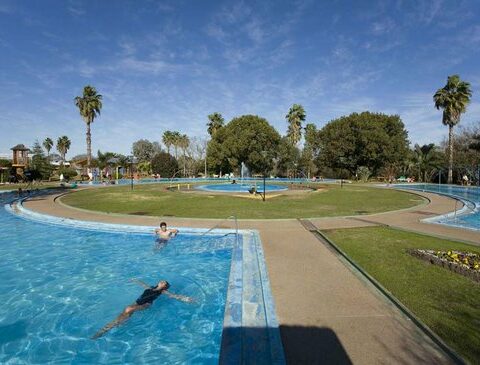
pixel 240 188
pixel 209 180
pixel 248 327
pixel 468 217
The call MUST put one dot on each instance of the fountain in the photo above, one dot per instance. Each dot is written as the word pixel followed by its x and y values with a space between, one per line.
pixel 244 173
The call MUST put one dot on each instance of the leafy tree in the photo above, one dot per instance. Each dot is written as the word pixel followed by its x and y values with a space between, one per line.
pixel 67 172
pixel 296 115
pixel 249 139
pixel 475 144
pixel 164 164
pixel 363 173
pixel 145 167
pixel 144 150
pixel 216 122
pixel 89 106
pixel 287 158
pixel 367 139
pixel 63 145
pixel 40 167
pixel 453 99
pixel 48 144
pixel 5 172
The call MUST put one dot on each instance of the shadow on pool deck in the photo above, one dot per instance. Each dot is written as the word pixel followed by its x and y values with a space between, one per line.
pixel 312 345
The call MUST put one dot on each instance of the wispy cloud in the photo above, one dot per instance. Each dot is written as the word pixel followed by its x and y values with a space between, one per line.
pixel 76 8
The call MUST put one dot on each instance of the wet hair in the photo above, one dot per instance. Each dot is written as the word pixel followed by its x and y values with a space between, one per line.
pixel 163 224
pixel 167 284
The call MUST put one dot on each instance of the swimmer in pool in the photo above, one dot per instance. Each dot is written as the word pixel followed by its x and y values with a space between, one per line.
pixel 164 233
pixel 143 302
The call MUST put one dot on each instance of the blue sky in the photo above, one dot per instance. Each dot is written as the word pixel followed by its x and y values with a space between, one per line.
pixel 167 65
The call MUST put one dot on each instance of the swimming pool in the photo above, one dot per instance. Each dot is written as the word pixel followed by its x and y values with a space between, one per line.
pixel 240 188
pixel 62 281
pixel 468 218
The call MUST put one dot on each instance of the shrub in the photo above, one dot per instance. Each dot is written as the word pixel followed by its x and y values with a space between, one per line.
pixel 363 173
pixel 164 164
pixel 68 173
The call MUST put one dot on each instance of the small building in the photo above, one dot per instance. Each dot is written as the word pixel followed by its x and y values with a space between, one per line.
pixel 20 156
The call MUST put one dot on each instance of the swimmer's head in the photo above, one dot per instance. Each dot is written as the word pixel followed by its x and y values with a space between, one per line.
pixel 163 284
pixel 163 226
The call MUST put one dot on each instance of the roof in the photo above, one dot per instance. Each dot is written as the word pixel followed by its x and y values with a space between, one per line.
pixel 20 147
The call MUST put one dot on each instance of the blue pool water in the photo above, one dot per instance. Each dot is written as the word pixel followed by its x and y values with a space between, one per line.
pixel 470 218
pixel 59 285
pixel 240 188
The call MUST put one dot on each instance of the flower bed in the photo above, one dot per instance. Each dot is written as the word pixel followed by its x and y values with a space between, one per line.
pixel 463 263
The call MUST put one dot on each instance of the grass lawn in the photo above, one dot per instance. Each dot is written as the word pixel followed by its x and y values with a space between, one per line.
pixel 42 185
pixel 153 199
pixel 447 302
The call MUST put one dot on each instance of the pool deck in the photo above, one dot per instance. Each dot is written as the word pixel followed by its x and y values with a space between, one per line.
pixel 327 312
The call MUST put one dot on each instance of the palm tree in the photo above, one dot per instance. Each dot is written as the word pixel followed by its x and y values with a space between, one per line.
pixel 167 140
pixel 63 145
pixel 296 115
pixel 48 144
pixel 183 143
pixel 215 123
pixel 176 138
pixel 453 98
pixel 89 106
pixel 427 160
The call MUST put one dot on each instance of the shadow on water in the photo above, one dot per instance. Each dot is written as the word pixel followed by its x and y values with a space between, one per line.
pixel 13 332
pixel 301 345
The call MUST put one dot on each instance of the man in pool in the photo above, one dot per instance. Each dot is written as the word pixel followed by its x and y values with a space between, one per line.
pixel 164 233
pixel 143 302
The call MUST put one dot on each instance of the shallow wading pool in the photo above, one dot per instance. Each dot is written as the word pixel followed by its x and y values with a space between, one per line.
pixel 241 188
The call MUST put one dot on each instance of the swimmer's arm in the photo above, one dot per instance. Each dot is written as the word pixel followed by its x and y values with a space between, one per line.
pixel 141 283
pixel 182 298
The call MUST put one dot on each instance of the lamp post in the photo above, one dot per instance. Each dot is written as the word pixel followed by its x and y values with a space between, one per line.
pixel 130 158
pixel 264 155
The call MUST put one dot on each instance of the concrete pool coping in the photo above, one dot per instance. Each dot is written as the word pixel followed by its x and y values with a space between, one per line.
pixel 249 302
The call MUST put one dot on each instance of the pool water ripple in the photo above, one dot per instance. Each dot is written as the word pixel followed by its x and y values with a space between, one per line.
pixel 60 285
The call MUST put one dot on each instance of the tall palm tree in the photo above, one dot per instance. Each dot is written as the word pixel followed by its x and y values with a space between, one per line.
pixel 176 138
pixel 63 145
pixel 296 115
pixel 48 144
pixel 216 122
pixel 167 140
pixel 89 106
pixel 453 98
pixel 183 143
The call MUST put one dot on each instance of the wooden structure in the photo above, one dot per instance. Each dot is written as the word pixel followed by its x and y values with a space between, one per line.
pixel 20 156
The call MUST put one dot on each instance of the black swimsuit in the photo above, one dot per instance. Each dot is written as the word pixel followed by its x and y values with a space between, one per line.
pixel 148 296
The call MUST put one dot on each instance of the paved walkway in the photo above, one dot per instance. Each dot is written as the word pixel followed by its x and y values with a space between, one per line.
pixel 327 313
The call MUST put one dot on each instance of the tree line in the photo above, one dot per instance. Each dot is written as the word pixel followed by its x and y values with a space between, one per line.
pixel 360 145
